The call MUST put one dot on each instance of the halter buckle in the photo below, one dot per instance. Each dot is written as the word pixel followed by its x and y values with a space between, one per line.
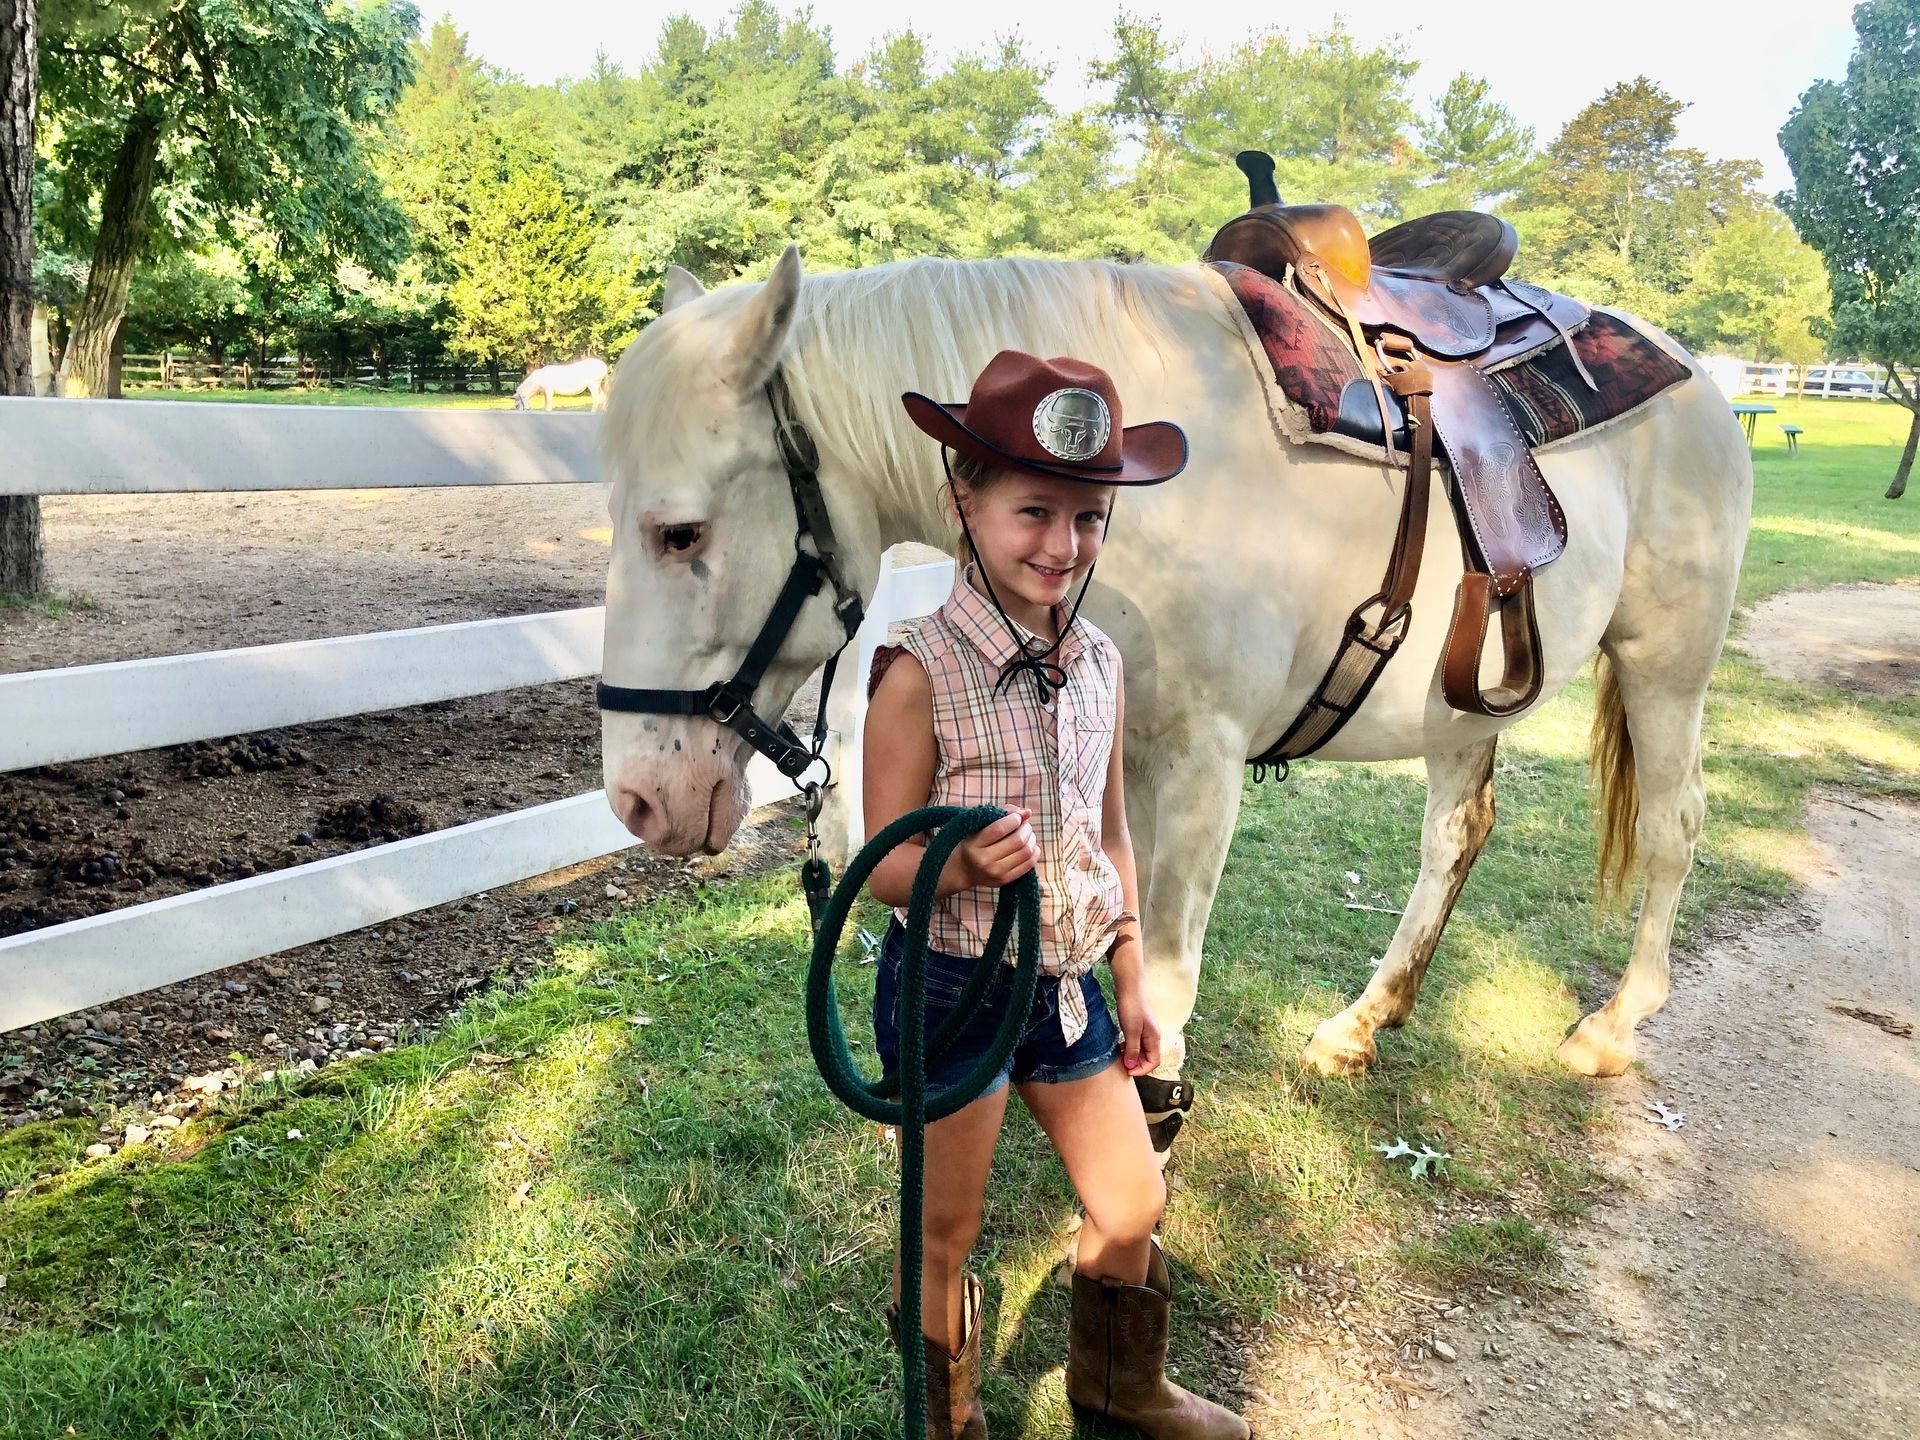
pixel 724 703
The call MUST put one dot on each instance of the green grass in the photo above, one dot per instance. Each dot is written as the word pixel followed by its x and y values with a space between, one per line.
pixel 437 399
pixel 1823 517
pixel 702 1246
pixel 55 604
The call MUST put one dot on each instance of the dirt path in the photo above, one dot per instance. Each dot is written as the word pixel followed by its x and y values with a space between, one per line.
pixel 1861 637
pixel 1758 1272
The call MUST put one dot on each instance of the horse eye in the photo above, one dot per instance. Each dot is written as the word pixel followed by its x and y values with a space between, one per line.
pixel 681 537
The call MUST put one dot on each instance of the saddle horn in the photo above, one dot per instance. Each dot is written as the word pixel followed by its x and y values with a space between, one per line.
pixel 1257 166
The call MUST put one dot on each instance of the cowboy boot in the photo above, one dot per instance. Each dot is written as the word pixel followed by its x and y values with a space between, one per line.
pixel 953 1381
pixel 1116 1360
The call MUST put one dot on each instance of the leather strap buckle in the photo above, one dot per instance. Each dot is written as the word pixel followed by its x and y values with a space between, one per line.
pixel 724 704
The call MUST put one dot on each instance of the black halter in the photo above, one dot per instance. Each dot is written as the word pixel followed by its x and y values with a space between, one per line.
pixel 730 702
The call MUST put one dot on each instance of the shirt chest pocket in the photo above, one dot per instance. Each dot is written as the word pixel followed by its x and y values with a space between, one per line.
pixel 1093 743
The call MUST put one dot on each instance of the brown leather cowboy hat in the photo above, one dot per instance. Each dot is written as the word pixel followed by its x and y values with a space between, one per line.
pixel 1058 417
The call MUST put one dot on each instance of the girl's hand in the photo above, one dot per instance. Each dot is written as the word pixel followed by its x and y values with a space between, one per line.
pixel 1139 1030
pixel 1002 852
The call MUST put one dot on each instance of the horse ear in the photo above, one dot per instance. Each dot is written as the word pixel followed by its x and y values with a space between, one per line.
pixel 761 335
pixel 682 286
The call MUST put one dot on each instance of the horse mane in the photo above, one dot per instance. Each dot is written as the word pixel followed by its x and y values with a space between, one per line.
pixel 861 337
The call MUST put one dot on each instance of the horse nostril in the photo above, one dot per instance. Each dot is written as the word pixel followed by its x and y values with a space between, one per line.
pixel 632 809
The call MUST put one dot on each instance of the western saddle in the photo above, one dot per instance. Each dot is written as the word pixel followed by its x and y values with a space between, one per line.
pixel 1427 309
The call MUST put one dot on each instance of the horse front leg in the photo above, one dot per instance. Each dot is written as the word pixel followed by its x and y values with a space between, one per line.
pixel 1459 817
pixel 1186 799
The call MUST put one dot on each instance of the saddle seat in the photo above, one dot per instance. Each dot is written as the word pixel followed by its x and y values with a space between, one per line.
pixel 1427 309
pixel 1420 278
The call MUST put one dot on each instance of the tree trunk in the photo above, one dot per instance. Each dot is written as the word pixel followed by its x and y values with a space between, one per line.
pixel 23 568
pixel 493 374
pixel 1899 486
pixel 116 249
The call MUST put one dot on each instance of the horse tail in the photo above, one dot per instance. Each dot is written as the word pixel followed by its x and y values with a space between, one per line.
pixel 1617 805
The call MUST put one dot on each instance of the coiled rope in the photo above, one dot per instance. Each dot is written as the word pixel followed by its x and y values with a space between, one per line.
pixel 914 1108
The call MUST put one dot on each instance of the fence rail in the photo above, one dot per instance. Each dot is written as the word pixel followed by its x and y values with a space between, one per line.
pixel 83 447
pixel 84 711
pixel 117 447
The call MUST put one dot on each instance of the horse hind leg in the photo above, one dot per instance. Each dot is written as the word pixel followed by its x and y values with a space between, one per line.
pixel 1458 820
pixel 1654 693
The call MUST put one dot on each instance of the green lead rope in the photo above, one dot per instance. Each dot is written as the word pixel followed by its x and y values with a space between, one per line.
pixel 914 1108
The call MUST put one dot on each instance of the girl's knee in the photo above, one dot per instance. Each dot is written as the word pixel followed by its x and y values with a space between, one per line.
pixel 947 1240
pixel 1131 1218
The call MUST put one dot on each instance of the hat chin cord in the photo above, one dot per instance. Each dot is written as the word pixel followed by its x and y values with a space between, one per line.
pixel 1048 676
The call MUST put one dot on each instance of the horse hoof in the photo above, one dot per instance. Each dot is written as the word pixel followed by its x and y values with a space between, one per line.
pixel 1339 1047
pixel 1597 1048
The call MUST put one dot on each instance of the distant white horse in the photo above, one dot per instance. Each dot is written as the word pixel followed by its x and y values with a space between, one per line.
pixel 582 377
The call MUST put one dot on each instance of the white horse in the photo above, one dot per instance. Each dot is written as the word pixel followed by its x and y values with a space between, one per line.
pixel 1226 590
pixel 582 377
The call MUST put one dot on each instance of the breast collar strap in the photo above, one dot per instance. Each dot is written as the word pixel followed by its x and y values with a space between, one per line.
pixel 730 702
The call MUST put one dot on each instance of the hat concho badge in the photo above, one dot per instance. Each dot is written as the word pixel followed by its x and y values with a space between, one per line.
pixel 1072 424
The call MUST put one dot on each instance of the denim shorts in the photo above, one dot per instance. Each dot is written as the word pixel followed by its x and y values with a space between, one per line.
pixel 1041 1057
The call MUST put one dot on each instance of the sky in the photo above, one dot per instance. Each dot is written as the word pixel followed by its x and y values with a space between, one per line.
pixel 1741 66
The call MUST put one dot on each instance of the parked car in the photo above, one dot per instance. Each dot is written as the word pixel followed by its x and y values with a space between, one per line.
pixel 1842 380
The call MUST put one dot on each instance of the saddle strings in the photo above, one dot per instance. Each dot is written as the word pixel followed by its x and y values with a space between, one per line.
pixel 1048 676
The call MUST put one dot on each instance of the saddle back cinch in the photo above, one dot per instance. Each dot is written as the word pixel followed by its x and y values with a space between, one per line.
pixel 1441 348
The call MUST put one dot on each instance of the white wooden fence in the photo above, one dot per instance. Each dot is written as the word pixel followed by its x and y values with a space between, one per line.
pixel 99 447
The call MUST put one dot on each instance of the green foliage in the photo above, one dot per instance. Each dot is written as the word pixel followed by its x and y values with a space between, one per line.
pixel 1620 186
pixel 1478 150
pixel 262 106
pixel 1856 196
pixel 734 139
pixel 1757 291
pixel 534 282
pixel 168 125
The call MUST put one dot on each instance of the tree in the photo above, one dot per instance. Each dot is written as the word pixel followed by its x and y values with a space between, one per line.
pixel 535 282
pixel 1757 291
pixel 22 558
pixel 1479 151
pixel 1333 114
pixel 215 106
pixel 1854 149
pixel 1621 184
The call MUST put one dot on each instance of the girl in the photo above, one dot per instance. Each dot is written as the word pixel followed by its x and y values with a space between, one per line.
pixel 1005 696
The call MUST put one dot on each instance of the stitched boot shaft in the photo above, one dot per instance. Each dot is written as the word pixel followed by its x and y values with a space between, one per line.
pixel 953 1381
pixel 1116 1361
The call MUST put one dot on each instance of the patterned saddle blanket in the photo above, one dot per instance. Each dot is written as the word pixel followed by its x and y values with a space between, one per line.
pixel 1324 397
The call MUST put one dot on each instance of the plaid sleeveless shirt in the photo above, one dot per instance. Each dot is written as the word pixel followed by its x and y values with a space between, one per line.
pixel 1009 749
